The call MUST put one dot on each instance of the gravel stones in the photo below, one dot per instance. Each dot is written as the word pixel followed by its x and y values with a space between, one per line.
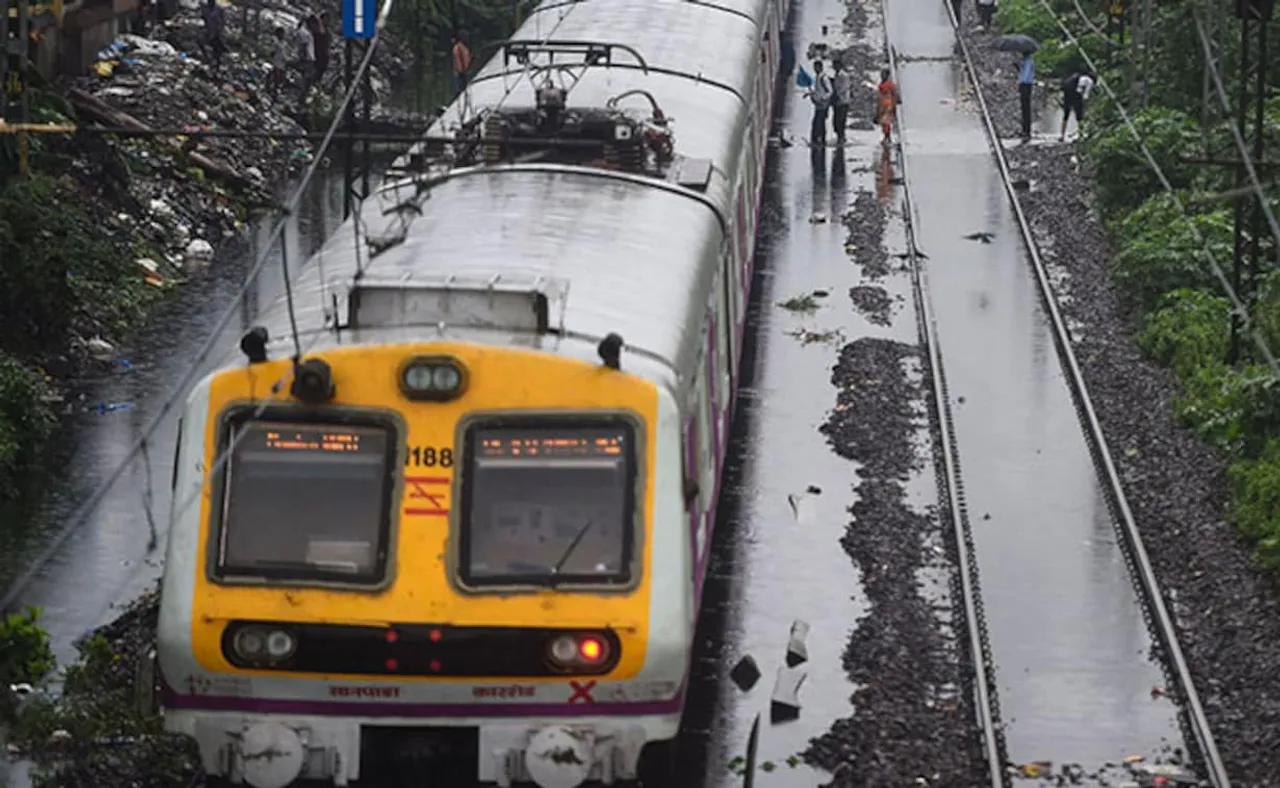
pixel 910 722
pixel 1227 609
pixel 865 221
pixel 873 303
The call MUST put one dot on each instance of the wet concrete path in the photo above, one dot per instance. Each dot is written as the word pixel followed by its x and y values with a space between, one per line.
pixel 115 556
pixel 1067 632
pixel 778 556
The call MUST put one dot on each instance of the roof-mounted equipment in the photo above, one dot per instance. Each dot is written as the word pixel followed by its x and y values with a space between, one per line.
pixel 593 53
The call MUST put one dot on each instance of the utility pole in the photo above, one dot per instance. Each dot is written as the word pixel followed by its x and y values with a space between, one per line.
pixel 1254 15
pixel 359 22
pixel 15 43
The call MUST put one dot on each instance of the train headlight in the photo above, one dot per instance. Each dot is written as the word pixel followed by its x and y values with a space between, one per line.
pixel 280 644
pixel 261 644
pixel 564 650
pixel 433 378
pixel 250 644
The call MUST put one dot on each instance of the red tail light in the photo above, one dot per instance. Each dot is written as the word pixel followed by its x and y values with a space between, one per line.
pixel 591 650
pixel 582 651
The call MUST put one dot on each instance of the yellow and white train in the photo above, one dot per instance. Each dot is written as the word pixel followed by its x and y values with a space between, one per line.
pixel 483 497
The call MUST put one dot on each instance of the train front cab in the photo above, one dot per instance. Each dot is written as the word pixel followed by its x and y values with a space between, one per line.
pixel 453 536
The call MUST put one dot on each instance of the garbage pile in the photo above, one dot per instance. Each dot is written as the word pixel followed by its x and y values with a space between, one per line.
pixel 180 193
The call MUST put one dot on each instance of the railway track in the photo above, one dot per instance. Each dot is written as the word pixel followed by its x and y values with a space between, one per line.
pixel 1181 686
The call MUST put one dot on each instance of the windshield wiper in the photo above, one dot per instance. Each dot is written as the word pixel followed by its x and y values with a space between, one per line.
pixel 555 570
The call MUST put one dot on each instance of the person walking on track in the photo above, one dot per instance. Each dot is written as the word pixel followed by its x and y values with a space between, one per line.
pixel 1075 91
pixel 888 97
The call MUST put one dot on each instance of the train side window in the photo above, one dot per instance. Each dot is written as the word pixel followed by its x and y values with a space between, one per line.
pixel 306 502
pixel 549 502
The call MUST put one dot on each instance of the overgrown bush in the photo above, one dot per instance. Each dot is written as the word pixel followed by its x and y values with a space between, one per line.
pixel 1124 178
pixel 26 422
pixel 94 734
pixel 1191 329
pixel 25 657
pixel 1255 509
pixel 1236 410
pixel 59 271
pixel 1158 251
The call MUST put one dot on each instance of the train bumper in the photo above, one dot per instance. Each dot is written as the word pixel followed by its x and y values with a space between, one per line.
pixel 559 756
pixel 274 752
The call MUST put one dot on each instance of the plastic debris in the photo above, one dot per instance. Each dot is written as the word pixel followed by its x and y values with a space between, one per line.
pixel 745 674
pixel 100 348
pixel 103 408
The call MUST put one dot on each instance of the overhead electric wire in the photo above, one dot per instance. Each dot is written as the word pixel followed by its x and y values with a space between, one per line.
pixel 1241 145
pixel 179 391
pixel 1237 304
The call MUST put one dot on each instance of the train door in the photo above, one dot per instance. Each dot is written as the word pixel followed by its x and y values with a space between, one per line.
pixel 742 246
pixel 722 349
pixel 706 477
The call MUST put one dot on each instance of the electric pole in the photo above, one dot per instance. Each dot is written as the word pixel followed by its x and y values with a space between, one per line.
pixel 15 42
pixel 1246 246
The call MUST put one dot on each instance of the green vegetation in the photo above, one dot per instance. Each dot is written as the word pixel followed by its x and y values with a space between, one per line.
pixel 1230 398
pixel 62 277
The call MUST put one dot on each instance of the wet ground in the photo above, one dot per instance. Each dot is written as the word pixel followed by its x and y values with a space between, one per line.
pixel 118 552
pixel 1067 633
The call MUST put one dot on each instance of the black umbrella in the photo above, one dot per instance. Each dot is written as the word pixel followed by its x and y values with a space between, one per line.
pixel 1016 43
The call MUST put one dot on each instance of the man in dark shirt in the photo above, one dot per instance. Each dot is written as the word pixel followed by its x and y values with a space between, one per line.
pixel 215 21
pixel 324 39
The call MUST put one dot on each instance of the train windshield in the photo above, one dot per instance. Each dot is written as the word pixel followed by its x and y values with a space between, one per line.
pixel 550 504
pixel 306 502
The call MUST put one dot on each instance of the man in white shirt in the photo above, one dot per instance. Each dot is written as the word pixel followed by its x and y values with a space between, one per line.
pixel 1075 90
pixel 820 94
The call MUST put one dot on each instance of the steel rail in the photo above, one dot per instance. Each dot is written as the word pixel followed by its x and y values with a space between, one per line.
pixel 1165 629
pixel 986 702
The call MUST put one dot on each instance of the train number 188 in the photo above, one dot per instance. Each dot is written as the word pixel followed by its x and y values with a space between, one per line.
pixel 428 457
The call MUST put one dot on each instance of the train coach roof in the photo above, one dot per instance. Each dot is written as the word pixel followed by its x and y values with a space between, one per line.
pixel 691 39
pixel 638 260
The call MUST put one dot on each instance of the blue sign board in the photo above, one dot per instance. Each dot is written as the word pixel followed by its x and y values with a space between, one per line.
pixel 359 18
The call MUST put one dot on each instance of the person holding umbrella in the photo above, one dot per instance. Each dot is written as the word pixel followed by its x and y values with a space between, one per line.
pixel 1025 47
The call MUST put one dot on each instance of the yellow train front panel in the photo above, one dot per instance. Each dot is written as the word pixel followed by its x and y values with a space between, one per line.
pixel 424 588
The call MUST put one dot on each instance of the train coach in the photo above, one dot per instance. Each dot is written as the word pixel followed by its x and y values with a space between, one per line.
pixel 466 479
